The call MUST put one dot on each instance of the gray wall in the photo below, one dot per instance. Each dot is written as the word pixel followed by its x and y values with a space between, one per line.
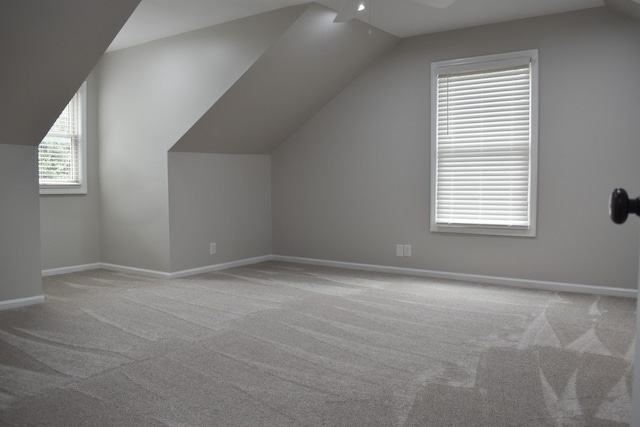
pixel 70 224
pixel 19 223
pixel 150 96
pixel 354 180
pixel 47 49
pixel 221 198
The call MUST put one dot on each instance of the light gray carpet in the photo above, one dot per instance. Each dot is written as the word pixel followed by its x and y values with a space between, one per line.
pixel 279 344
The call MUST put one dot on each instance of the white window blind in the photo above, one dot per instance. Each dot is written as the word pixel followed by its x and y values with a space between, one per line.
pixel 483 145
pixel 61 152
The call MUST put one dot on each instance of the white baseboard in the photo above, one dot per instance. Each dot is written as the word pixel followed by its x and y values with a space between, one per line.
pixel 21 302
pixel 158 274
pixel 137 271
pixel 72 269
pixel 222 266
pixel 490 280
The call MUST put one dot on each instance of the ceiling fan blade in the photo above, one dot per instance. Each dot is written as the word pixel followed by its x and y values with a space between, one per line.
pixel 441 4
pixel 348 11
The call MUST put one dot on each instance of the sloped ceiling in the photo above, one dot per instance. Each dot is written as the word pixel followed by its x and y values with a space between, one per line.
pixel 309 65
pixel 48 48
pixel 628 7
pixel 155 19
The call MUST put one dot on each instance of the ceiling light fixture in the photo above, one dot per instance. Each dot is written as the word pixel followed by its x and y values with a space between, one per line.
pixel 350 8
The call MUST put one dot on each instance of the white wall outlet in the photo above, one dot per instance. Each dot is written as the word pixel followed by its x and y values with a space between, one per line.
pixel 399 250
pixel 407 250
pixel 212 248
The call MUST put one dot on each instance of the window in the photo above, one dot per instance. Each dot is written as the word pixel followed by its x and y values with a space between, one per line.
pixel 62 153
pixel 484 144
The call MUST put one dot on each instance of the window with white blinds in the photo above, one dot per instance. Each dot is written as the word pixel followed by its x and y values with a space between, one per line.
pixel 61 154
pixel 484 144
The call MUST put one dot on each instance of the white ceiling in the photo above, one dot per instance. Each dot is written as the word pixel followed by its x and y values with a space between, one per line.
pixel 154 19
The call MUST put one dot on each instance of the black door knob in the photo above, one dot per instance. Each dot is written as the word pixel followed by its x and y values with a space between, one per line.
pixel 620 206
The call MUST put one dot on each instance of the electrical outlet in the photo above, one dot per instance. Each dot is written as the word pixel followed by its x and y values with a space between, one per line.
pixel 212 248
pixel 399 250
pixel 407 250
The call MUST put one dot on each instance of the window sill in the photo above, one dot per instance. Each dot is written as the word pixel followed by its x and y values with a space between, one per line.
pixel 63 190
pixel 484 230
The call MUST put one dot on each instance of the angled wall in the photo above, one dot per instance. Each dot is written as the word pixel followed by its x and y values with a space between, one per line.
pixel 354 181
pixel 220 186
pixel 307 66
pixel 149 96
pixel 47 50
pixel 630 8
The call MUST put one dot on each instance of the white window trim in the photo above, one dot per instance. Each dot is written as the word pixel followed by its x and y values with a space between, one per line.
pixel 58 189
pixel 479 63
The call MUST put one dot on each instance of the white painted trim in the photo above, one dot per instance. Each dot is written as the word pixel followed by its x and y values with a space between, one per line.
pixel 184 273
pixel 71 269
pixel 223 266
pixel 134 270
pixel 21 302
pixel 80 188
pixel 490 280
pixel 475 64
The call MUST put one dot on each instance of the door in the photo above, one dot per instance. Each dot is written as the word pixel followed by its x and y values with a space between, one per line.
pixel 635 407
pixel 620 206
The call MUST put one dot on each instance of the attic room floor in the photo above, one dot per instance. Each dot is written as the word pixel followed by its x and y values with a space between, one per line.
pixel 279 344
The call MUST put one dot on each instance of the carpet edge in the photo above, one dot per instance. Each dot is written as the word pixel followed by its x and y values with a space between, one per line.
pixel 489 280
pixel 21 302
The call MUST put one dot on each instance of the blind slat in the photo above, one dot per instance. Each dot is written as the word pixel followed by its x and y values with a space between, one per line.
pixel 58 153
pixel 483 139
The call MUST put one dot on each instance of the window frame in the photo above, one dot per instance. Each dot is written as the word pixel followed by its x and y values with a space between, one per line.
pixel 81 187
pixel 479 63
